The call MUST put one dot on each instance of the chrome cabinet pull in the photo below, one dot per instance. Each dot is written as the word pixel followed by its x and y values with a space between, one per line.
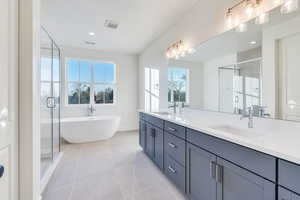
pixel 219 173
pixel 172 145
pixel 213 166
pixel 171 129
pixel 172 170
pixel 1 171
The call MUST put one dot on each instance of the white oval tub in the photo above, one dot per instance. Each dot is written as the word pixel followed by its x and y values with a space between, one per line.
pixel 89 129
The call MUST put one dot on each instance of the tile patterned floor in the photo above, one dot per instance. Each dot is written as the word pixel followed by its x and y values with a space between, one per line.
pixel 115 169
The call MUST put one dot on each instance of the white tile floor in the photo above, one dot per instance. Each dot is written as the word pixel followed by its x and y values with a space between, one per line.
pixel 115 169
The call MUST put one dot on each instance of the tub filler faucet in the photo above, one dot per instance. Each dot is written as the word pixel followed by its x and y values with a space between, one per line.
pixel 91 110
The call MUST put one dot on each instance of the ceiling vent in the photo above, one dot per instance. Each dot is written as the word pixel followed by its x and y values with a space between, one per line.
pixel 111 24
pixel 90 43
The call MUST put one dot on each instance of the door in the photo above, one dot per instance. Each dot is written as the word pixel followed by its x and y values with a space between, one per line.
pixel 142 139
pixel 8 101
pixel 50 101
pixel 289 95
pixel 235 183
pixel 150 140
pixel 284 194
pixel 158 147
pixel 201 184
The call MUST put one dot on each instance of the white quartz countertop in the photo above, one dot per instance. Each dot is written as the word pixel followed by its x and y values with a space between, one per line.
pixel 274 137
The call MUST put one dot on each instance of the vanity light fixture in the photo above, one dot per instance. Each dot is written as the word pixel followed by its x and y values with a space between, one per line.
pixel 91 33
pixel 289 6
pixel 255 9
pixel 253 42
pixel 249 8
pixel 178 49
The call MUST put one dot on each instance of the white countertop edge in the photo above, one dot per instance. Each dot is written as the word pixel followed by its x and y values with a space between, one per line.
pixel 231 138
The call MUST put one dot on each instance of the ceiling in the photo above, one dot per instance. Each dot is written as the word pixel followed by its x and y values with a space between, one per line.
pixel 140 22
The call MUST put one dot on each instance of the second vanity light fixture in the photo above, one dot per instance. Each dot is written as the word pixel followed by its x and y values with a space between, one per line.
pixel 255 9
pixel 178 49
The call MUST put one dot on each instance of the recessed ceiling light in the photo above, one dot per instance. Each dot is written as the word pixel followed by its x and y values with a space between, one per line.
pixel 91 33
pixel 252 42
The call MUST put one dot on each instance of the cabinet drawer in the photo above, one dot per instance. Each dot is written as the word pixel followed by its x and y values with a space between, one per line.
pixel 289 175
pixel 155 121
pixel 175 147
pixel 284 194
pixel 175 129
pixel 175 172
pixel 257 162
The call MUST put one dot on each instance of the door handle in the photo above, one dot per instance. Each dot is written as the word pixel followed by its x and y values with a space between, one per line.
pixel 50 102
pixel 213 166
pixel 171 169
pixel 1 171
pixel 171 129
pixel 172 145
pixel 219 173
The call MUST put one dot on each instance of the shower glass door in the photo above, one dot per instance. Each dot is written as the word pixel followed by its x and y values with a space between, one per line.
pixel 50 101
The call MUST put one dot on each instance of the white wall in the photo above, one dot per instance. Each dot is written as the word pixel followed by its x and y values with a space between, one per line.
pixel 204 20
pixel 271 36
pixel 126 87
pixel 211 80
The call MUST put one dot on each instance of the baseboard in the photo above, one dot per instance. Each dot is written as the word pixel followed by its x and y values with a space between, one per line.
pixel 45 180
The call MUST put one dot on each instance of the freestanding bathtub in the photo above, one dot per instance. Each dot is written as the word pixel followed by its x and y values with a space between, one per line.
pixel 89 129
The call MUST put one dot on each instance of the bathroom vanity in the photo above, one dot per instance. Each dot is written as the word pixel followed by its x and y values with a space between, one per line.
pixel 207 164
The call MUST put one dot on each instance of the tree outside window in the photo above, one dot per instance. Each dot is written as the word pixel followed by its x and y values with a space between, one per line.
pixel 177 85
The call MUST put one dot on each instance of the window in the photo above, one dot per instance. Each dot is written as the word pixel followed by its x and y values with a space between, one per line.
pixel 178 85
pixel 151 89
pixel 90 82
pixel 50 73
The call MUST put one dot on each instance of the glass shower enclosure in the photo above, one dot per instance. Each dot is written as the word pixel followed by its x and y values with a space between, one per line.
pixel 50 67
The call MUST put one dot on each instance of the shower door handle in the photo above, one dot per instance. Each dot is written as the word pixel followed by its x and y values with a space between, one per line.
pixel 50 102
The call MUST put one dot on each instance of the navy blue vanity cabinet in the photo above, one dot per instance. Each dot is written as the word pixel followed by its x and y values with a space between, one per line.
pixel 154 144
pixel 174 159
pixel 289 175
pixel 142 134
pixel 235 183
pixel 211 177
pixel 284 194
pixel 200 174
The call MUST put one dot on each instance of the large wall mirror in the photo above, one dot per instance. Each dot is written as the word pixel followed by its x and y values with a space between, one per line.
pixel 258 68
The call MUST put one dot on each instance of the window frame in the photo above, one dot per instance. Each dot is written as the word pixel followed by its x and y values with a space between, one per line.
pixel 187 98
pixel 92 83
pixel 51 82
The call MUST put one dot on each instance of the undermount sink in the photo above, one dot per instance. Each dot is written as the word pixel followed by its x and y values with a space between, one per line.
pixel 162 113
pixel 236 131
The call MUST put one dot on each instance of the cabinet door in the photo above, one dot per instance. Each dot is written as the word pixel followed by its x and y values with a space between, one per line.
pixel 200 167
pixel 158 147
pixel 150 140
pixel 235 183
pixel 142 139
pixel 284 194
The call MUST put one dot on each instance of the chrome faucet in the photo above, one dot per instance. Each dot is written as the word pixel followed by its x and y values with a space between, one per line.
pixel 91 110
pixel 174 106
pixel 249 116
